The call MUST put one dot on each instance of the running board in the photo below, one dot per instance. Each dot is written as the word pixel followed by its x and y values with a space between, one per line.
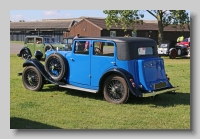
pixel 78 88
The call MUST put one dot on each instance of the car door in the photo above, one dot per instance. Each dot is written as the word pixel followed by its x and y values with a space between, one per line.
pixel 39 44
pixel 30 44
pixel 103 60
pixel 79 73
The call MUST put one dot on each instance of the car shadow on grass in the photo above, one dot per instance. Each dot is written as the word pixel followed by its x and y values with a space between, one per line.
pixel 83 94
pixel 164 100
pixel 177 58
pixel 52 87
pixel 21 123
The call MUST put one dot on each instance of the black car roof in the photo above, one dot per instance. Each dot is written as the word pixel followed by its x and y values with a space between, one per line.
pixel 71 37
pixel 41 36
pixel 119 39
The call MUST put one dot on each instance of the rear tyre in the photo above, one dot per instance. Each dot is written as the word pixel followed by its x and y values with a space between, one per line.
pixel 55 66
pixel 172 54
pixel 32 79
pixel 116 90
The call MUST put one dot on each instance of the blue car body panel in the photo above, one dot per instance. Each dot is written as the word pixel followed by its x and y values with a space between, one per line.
pixel 143 74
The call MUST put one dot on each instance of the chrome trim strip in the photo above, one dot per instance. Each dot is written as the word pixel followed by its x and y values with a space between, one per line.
pixel 159 92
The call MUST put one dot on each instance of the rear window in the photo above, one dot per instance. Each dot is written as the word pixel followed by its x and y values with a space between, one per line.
pixel 145 51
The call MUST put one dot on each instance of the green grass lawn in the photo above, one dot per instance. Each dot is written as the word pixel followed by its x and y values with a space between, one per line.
pixel 71 109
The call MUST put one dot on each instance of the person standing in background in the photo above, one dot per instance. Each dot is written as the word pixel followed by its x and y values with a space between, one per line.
pixel 180 39
pixel 77 36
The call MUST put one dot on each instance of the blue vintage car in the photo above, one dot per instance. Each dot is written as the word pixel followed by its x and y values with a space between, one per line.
pixel 114 66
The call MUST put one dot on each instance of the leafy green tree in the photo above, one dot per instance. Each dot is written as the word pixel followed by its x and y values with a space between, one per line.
pixel 127 18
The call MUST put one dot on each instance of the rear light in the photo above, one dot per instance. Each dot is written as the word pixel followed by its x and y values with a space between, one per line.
pixel 133 84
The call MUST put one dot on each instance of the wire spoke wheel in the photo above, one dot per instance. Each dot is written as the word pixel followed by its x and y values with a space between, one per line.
pixel 55 66
pixel 116 90
pixel 32 79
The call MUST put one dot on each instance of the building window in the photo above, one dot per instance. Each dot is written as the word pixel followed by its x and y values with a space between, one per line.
pixel 112 33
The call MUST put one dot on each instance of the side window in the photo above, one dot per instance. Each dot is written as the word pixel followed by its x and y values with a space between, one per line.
pixel 30 40
pixel 38 40
pixel 82 47
pixel 103 49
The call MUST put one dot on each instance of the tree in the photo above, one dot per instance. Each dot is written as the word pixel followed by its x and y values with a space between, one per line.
pixel 127 18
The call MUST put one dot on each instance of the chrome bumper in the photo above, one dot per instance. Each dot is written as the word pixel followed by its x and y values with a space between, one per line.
pixel 159 92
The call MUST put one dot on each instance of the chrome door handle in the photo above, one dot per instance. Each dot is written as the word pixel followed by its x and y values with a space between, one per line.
pixel 71 59
pixel 113 63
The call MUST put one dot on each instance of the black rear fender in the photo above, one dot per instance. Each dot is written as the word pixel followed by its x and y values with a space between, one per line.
pixel 127 76
pixel 40 68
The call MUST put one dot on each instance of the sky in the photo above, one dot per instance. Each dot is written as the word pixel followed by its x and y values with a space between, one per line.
pixel 38 15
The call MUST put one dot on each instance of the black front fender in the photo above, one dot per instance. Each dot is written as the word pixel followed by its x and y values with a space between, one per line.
pixel 24 49
pixel 127 76
pixel 40 68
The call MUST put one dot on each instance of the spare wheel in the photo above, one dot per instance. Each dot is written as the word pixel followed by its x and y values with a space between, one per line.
pixel 55 66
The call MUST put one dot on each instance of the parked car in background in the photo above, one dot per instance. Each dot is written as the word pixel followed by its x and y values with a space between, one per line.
pixel 185 42
pixel 32 44
pixel 113 66
pixel 67 41
pixel 171 49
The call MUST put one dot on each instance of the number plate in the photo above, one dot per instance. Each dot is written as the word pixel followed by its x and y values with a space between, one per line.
pixel 160 85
